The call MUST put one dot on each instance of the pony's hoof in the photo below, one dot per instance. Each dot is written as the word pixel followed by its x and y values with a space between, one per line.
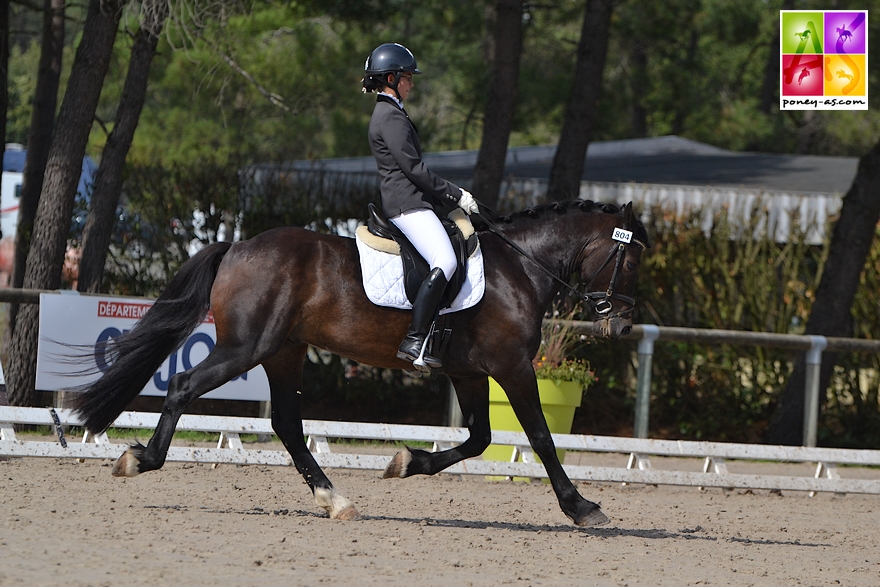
pixel 594 518
pixel 348 514
pixel 336 505
pixel 126 465
pixel 398 465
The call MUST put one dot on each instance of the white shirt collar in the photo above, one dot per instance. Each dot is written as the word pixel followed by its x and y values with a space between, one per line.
pixel 393 97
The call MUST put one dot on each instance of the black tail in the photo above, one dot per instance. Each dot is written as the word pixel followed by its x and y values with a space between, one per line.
pixel 135 356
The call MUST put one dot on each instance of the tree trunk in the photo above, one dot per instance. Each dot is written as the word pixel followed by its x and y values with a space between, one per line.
pixel 108 181
pixel 639 87
pixel 63 169
pixel 583 103
pixel 4 72
pixel 501 104
pixel 39 139
pixel 830 314
pixel 770 85
pixel 681 87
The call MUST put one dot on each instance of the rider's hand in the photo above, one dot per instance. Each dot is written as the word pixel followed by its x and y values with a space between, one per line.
pixel 467 202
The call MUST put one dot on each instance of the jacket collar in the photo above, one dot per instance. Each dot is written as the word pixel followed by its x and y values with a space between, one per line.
pixel 389 99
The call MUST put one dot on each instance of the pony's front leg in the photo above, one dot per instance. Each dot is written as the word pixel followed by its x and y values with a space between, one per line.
pixel 284 372
pixel 522 392
pixel 473 397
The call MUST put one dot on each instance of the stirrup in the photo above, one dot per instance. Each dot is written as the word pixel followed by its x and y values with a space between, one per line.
pixel 425 362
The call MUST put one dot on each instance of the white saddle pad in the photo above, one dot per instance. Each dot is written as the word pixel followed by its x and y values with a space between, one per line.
pixel 383 279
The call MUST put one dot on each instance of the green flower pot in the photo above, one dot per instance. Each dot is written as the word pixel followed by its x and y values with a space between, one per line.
pixel 559 399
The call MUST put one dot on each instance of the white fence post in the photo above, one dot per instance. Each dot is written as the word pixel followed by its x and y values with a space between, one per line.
pixel 7 430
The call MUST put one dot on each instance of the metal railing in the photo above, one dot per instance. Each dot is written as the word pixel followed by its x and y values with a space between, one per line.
pixel 813 345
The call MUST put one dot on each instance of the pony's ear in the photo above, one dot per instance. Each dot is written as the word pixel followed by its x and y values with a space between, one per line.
pixel 631 222
pixel 629 219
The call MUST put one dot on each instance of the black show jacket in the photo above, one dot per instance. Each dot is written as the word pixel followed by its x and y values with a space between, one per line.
pixel 406 182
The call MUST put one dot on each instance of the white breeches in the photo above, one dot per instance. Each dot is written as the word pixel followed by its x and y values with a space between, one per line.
pixel 425 231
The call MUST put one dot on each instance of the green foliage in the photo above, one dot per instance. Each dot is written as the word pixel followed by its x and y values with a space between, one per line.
pixel 157 227
pixel 702 77
pixel 208 110
pixel 167 212
pixel 575 370
pixel 23 66
pixel 276 195
pixel 704 71
pixel 713 282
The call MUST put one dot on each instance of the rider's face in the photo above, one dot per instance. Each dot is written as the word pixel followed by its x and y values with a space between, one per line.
pixel 404 86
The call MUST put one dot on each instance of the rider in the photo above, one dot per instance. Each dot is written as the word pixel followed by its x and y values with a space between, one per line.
pixel 411 194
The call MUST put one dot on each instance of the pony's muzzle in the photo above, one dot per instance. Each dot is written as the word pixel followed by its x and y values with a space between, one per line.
pixel 612 327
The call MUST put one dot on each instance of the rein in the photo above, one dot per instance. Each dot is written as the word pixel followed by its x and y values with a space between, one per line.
pixel 599 300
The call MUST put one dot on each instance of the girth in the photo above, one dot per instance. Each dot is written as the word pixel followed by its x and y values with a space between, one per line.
pixel 415 268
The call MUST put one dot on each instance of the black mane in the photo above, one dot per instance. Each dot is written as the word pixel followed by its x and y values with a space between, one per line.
pixel 561 208
pixel 536 212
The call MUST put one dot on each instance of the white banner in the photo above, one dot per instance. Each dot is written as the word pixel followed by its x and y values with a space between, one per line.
pixel 70 325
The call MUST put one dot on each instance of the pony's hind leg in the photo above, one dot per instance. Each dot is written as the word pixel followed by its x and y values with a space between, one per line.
pixel 473 397
pixel 221 365
pixel 284 371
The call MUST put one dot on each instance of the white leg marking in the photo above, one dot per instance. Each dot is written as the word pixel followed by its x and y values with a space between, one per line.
pixel 126 465
pixel 398 465
pixel 336 505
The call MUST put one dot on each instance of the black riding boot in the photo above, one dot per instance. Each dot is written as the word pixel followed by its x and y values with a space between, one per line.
pixel 424 312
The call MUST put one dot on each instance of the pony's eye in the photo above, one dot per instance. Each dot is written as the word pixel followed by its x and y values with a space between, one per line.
pixel 630 266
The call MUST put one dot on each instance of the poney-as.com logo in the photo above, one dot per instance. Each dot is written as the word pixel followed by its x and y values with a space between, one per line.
pixel 824 60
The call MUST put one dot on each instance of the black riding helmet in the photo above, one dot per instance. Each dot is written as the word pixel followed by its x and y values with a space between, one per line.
pixel 387 58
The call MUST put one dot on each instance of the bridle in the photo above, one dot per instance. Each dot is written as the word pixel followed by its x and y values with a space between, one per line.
pixel 599 301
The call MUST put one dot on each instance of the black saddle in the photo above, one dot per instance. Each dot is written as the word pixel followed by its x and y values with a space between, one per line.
pixel 415 268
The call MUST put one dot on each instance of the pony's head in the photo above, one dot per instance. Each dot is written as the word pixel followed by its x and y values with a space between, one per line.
pixel 608 269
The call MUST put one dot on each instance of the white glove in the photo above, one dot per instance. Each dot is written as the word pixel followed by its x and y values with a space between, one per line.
pixel 467 202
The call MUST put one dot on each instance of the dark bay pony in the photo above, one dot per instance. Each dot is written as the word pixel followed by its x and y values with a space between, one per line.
pixel 285 289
